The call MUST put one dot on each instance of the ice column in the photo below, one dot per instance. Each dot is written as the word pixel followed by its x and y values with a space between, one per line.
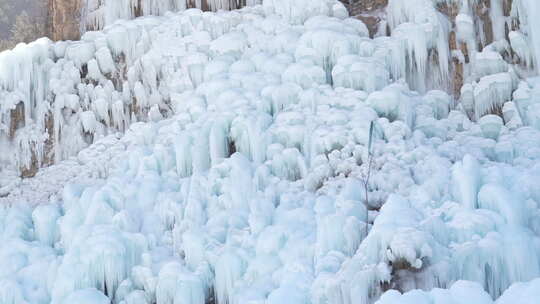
pixel 533 19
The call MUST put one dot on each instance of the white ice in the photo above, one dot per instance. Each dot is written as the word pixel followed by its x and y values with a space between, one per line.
pixel 223 156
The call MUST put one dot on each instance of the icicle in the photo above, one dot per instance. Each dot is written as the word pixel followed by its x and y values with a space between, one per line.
pixel 219 142
pixel 492 92
pixel 521 46
pixel 488 63
pixel 190 289
pixel 45 229
pixel 533 22
pixel 229 268
pixel 103 258
pixel 99 14
pixel 167 282
pixel 466 177
pixel 497 19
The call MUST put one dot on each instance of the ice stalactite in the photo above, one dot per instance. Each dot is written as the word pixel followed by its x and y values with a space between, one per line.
pixel 467 181
pixel 98 14
pixel 492 92
pixel 24 75
pixel 229 268
pixel 45 228
pixel 424 32
pixel 104 256
pixel 533 24
pixel 520 45
pixel 23 87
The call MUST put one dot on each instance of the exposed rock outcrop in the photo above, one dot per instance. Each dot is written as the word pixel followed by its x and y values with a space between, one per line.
pixel 65 19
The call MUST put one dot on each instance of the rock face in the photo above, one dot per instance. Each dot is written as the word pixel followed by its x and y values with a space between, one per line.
pixel 357 7
pixel 65 16
pixel 369 11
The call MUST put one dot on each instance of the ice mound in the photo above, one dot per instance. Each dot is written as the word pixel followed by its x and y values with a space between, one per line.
pixel 87 296
pixel 465 292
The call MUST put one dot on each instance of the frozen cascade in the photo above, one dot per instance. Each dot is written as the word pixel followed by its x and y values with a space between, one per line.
pixel 104 257
pixel 223 156
pixel 110 63
pixel 533 14
pixel 425 35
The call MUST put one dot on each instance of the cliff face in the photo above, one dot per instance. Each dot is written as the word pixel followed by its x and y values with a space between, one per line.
pixel 64 16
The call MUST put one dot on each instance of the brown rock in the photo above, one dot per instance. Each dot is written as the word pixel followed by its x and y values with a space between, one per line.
pixel 17 120
pixel 372 23
pixel 357 7
pixel 64 19
pixel 369 11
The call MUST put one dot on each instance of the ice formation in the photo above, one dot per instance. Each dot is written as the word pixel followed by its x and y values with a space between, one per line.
pixel 222 157
pixel 110 79
pixel 97 14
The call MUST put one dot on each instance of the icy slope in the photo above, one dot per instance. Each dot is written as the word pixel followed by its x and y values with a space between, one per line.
pixel 466 292
pixel 244 185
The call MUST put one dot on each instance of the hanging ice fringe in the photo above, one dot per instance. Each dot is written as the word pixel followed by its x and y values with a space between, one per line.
pixel 99 13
